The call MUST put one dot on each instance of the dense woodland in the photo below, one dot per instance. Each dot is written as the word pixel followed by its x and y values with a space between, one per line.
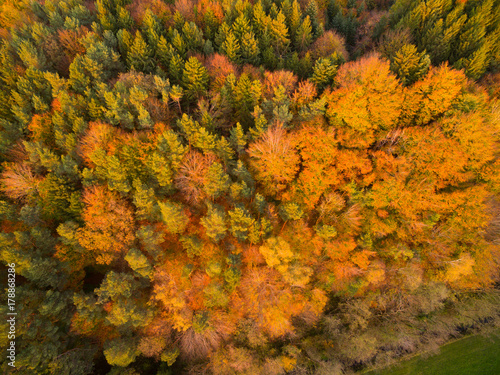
pixel 247 187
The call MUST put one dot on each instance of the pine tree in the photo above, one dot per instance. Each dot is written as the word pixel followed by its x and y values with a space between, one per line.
pixel 173 216
pixel 279 33
pixel 323 73
pixel 216 181
pixel 175 70
pixel 240 223
pixel 178 42
pixel 303 36
pixel 241 27
pixel 249 49
pixel 193 36
pixel 295 18
pixel 194 78
pixel 238 138
pixel 215 223
pixel 312 12
pixel 140 55
pixel 152 29
pixel 410 65
pixel 231 48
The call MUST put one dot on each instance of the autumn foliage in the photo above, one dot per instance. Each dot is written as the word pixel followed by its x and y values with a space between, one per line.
pixel 247 187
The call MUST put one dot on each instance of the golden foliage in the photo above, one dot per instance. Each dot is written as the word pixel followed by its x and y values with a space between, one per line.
pixel 109 225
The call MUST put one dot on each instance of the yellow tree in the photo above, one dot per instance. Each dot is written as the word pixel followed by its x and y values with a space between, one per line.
pixel 367 103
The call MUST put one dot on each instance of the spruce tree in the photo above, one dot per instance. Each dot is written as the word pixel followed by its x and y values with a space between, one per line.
pixel 140 55
pixel 410 65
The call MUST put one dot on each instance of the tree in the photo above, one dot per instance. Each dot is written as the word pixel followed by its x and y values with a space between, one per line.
pixel 58 198
pixel 274 160
pixel 231 48
pixel 18 181
pixel 249 49
pixel 240 223
pixel 194 78
pixel 139 263
pixel 279 33
pixel 121 352
pixel 360 127
pixel 173 216
pixel 303 36
pixel 109 225
pixel 409 65
pixel 215 223
pixel 323 73
pixel 140 55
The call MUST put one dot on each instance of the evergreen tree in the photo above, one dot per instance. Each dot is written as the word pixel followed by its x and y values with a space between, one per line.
pixel 140 55
pixel 249 49
pixel 303 36
pixel 279 33
pixel 194 78
pixel 173 216
pixel 231 48
pixel 409 65
pixel 323 73
pixel 215 223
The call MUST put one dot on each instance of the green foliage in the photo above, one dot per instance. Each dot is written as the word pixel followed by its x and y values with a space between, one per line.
pixel 192 244
pixel 173 216
pixel 139 55
pixel 120 352
pixel 324 72
pixel 199 183
pixel 214 223
pixel 240 223
pixel 139 263
pixel 290 211
pixel 194 78
pixel 409 65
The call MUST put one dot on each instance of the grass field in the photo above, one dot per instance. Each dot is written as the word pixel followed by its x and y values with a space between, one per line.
pixel 474 355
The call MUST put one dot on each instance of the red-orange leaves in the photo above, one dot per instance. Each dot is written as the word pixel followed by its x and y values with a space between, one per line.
pixel 274 159
pixel 95 138
pixel 318 150
pixel 109 225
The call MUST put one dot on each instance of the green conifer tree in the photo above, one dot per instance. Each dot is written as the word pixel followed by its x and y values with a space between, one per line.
pixel 140 55
pixel 194 78
pixel 410 65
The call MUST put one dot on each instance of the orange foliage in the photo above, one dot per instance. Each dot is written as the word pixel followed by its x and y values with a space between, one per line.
pixel 192 175
pixel 274 159
pixel 304 94
pixel 158 7
pixel 367 102
pixel 279 77
pixel 318 150
pixel 97 137
pixel 109 225
pixel 433 95
pixel 218 68
pixel 71 40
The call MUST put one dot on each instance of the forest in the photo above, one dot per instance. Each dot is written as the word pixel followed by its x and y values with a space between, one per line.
pixel 230 187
